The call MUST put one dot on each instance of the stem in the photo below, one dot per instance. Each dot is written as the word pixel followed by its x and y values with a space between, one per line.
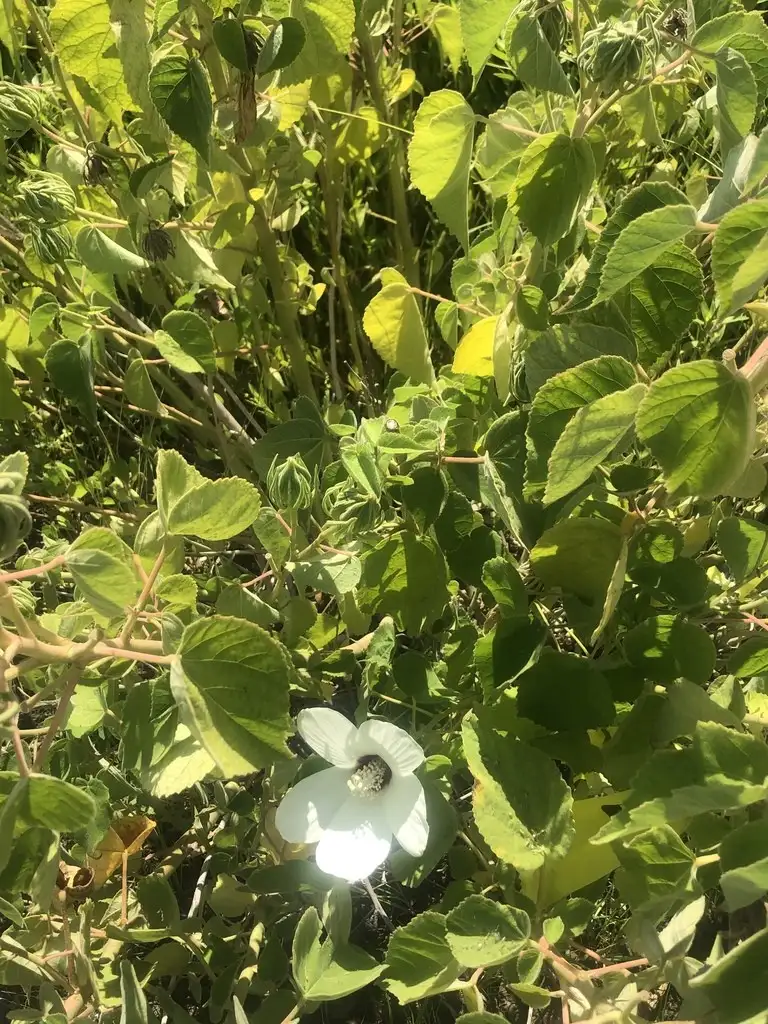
pixel 9 607
pixel 396 165
pixel 130 623
pixel 285 307
pixel 72 679
pixel 756 367
pixel 24 574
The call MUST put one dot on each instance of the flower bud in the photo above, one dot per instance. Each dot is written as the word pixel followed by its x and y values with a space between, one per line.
pixel 48 198
pixel 19 108
pixel 51 245
pixel 612 55
pixel 289 484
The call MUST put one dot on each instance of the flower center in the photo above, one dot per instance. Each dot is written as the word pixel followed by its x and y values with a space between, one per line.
pixel 371 775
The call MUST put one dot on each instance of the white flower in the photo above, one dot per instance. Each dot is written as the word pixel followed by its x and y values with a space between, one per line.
pixel 353 810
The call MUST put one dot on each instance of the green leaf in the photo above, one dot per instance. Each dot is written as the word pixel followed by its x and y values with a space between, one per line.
pixel 744 544
pixel 588 439
pixel 664 300
pixel 333 574
pixel 481 25
pixel 565 692
pixel 736 94
pixel 11 406
pixel 521 804
pixel 328 27
pixel 744 864
pixel 210 509
pixel 349 970
pixel 103 570
pixel 392 320
pixel 440 156
pixel 231 681
pixel 750 658
pixel 283 45
pixel 84 41
pixel 419 961
pixel 557 402
pixel 532 58
pixel 646 197
pixel 186 342
pixel 482 933
pixel 699 422
pixel 668 647
pixel 721 770
pixel 566 345
pixel 14 468
pixel 133 1002
pixel 179 90
pixel 138 387
pixel 102 255
pixel 740 255
pixel 503 580
pixel 309 958
pixel 58 805
pixel 128 20
pixel 87 710
pixel 71 371
pixel 243 604
pixel 229 37
pixel 405 576
pixel 656 870
pixel 553 165
pixel 735 985
pixel 644 240
pixel 177 591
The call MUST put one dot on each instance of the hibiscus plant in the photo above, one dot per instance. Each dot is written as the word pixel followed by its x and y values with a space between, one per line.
pixel 383 511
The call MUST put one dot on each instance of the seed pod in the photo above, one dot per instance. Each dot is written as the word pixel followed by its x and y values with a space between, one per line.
pixel 15 523
pixel 94 169
pixel 157 244
pixel 612 55
pixel 48 198
pixel 289 484
pixel 51 244
pixel 20 106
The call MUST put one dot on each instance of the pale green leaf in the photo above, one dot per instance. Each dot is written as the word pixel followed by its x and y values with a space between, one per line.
pixel 419 961
pixel 698 420
pixel 744 544
pixel 210 509
pixel 656 870
pixel 744 863
pixel 588 439
pixel 735 985
pixel 392 320
pixel 333 574
pixel 482 933
pixel 736 97
pixel 664 300
pixel 103 570
pixel 482 22
pixel 328 27
pixel 440 156
pixel 740 254
pixel 84 42
pixel 578 556
pixel 641 243
pixel 406 577
pixel 231 681
pixel 474 353
pixel 570 344
pixel 103 255
pixel 553 165
pixel 186 342
pixel 133 1002
pixel 11 406
pixel 446 25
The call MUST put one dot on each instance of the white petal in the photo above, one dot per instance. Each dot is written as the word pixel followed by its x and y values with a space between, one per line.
pixel 309 808
pixel 330 735
pixel 357 842
pixel 406 811
pixel 401 752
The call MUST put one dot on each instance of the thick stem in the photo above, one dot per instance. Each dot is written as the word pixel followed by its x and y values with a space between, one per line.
pixel 396 166
pixel 285 307
pixel 756 367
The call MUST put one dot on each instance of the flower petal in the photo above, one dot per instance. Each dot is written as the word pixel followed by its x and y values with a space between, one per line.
pixel 330 735
pixel 358 840
pixel 309 808
pixel 406 810
pixel 401 752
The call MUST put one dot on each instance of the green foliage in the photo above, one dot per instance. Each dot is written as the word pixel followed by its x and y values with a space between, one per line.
pixel 404 359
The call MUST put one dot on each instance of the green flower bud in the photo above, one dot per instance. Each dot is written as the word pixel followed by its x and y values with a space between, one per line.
pixel 613 55
pixel 51 245
pixel 15 523
pixel 289 484
pixel 362 513
pixel 48 198
pixel 20 106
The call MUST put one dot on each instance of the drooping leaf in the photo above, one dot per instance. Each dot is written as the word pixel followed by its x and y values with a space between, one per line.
pixel 481 25
pixel 740 254
pixel 736 97
pixel 103 569
pixel 440 156
pixel 231 682
pixel 179 91
pixel 532 58
pixel 70 368
pixel 553 165
pixel 698 420
pixel 283 45
pixel 328 27
pixel 102 255
pixel 392 320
